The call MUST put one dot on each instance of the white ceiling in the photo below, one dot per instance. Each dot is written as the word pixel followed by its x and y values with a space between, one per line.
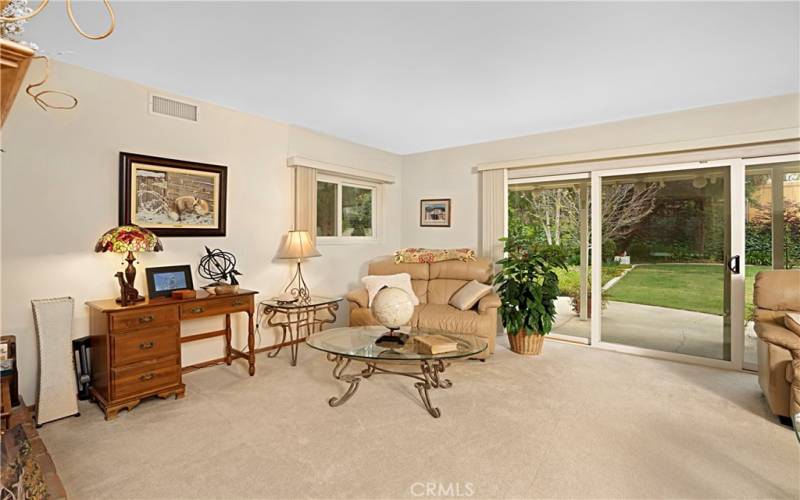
pixel 418 76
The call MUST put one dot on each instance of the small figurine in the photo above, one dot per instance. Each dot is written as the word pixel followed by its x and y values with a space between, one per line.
pixel 127 293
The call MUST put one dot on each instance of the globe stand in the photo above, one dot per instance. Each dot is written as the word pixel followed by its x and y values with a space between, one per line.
pixel 392 339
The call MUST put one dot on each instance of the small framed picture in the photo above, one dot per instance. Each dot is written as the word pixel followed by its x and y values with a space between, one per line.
pixel 434 213
pixel 162 281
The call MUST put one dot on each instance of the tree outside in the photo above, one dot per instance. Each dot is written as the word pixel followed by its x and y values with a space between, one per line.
pixel 677 223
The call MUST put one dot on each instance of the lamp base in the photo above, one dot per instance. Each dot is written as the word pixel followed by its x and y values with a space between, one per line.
pixel 128 295
pixel 297 288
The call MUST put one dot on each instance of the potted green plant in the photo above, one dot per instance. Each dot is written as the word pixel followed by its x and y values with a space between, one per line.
pixel 528 287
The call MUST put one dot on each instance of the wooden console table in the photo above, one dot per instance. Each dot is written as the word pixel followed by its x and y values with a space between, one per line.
pixel 136 350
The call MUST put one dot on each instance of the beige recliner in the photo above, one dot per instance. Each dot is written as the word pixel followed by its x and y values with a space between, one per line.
pixel 777 292
pixel 434 284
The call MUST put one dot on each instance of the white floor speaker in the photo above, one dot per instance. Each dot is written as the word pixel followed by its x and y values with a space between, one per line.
pixel 57 394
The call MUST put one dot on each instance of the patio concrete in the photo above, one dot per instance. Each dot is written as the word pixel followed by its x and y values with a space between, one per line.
pixel 658 328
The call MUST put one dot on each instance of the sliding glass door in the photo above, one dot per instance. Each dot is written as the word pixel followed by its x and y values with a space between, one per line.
pixel 772 229
pixel 555 210
pixel 662 259
pixel 674 226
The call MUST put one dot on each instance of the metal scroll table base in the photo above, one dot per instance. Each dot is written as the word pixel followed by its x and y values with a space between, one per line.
pixel 429 377
pixel 296 323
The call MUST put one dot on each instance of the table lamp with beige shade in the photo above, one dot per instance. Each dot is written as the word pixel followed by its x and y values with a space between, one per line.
pixel 297 245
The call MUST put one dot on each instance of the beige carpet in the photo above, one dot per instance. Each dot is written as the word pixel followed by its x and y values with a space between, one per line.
pixel 576 423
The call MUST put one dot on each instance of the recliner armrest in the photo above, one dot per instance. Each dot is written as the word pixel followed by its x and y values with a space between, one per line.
pixel 779 336
pixel 358 298
pixel 491 301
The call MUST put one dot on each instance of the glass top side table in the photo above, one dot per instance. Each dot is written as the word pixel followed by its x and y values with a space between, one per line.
pixel 297 320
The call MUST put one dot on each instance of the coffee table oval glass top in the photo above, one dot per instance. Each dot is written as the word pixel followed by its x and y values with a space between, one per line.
pixel 343 345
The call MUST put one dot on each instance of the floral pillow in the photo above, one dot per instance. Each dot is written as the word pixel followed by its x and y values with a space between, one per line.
pixel 428 256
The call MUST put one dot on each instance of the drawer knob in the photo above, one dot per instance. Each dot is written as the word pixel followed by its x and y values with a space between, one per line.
pixel 145 378
pixel 198 309
pixel 146 319
pixel 238 302
pixel 146 345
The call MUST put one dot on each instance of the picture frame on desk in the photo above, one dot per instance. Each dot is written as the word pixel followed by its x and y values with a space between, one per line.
pixel 162 281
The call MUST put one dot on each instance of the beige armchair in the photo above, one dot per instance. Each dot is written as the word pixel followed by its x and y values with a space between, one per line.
pixel 434 284
pixel 777 292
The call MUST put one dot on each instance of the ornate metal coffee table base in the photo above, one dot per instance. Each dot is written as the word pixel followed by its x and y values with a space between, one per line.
pixel 429 378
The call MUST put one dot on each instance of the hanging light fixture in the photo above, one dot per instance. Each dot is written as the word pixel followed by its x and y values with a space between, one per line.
pixel 15 13
pixel 699 182
pixel 38 10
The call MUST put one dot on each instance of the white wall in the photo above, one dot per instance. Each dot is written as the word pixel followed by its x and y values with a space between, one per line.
pixel 60 192
pixel 448 173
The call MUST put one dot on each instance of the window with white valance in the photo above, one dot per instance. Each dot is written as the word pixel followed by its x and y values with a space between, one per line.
pixel 335 203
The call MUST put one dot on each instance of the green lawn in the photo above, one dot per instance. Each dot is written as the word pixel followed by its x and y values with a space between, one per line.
pixel 569 280
pixel 692 287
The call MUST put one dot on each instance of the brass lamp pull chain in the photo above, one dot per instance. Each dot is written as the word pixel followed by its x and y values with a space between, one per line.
pixel 37 10
pixel 37 97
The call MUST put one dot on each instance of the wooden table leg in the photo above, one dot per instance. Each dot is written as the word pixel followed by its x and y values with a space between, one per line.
pixel 228 356
pixel 251 343
pixel 6 402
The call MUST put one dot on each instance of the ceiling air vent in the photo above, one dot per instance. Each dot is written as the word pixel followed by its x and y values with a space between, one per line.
pixel 170 107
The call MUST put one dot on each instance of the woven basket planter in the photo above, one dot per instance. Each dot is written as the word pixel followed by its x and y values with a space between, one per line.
pixel 529 345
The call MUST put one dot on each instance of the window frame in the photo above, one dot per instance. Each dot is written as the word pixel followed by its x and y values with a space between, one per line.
pixel 339 182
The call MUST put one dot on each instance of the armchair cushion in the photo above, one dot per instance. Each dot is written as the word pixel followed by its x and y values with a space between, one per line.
pixel 792 321
pixel 777 335
pixel 778 290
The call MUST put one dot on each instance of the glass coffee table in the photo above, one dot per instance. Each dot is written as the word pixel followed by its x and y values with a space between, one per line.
pixel 343 345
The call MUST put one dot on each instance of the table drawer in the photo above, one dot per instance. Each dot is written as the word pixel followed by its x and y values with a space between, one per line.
pixel 144 344
pixel 145 377
pixel 213 307
pixel 127 320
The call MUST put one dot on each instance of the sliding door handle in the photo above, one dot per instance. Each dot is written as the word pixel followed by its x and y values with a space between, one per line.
pixel 734 264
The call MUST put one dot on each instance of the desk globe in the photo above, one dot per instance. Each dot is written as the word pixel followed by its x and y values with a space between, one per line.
pixel 392 308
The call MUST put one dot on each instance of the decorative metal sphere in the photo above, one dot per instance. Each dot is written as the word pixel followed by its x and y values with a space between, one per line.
pixel 217 265
pixel 392 307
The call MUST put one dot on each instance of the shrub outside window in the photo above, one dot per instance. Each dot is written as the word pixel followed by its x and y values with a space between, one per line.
pixel 345 209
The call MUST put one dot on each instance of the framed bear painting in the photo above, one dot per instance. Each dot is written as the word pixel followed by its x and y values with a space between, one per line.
pixel 172 197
